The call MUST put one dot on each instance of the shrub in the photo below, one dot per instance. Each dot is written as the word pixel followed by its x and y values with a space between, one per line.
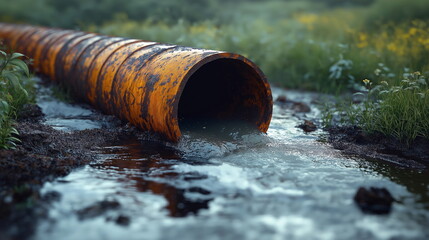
pixel 14 75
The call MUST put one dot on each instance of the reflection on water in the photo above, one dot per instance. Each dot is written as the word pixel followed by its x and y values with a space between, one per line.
pixel 217 130
pixel 129 156
pixel 232 183
pixel 415 180
pixel 153 161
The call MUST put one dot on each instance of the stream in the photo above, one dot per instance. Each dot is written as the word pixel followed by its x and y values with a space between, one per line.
pixel 231 184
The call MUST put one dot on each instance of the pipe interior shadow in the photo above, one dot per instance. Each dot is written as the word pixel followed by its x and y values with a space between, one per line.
pixel 219 96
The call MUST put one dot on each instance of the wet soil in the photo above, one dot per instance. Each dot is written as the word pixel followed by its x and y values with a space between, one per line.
pixel 44 154
pixel 354 141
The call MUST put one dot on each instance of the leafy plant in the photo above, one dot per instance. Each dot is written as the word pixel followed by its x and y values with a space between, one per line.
pixel 13 75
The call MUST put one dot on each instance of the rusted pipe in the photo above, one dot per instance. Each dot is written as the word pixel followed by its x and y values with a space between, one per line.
pixel 154 86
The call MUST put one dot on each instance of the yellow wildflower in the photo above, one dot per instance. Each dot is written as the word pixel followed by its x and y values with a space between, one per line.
pixel 363 40
pixel 308 20
pixel 412 31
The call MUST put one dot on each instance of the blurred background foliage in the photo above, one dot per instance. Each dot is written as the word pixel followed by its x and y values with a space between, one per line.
pixel 322 45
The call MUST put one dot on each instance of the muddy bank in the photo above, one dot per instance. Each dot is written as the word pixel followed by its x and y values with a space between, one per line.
pixel 43 155
pixel 354 141
pixel 45 152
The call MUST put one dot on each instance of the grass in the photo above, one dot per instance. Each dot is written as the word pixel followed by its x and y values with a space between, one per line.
pixel 328 50
pixel 400 111
pixel 14 86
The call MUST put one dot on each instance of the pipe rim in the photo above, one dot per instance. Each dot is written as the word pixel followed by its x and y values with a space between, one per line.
pixel 218 56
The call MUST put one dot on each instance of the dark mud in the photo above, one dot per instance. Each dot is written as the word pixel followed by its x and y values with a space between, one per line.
pixel 374 200
pixel 354 141
pixel 44 154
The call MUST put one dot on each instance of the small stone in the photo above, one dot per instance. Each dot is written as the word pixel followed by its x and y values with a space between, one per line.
pixel 308 126
pixel 300 107
pixel 51 196
pixel 281 99
pixel 358 97
pixel 374 200
pixel 97 209
pixel 123 220
pixel 285 103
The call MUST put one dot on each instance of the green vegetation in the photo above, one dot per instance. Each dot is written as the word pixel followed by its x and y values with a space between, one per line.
pixel 325 45
pixel 14 80
pixel 400 111
pixel 79 13
pixel 397 11
pixel 62 93
pixel 320 45
pixel 329 51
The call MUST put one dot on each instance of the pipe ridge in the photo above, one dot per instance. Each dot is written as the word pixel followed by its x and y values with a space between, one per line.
pixel 99 88
pixel 113 88
pixel 82 67
pixel 21 40
pixel 94 71
pixel 70 76
pixel 31 51
pixel 143 109
pixel 60 61
pixel 21 32
pixel 55 48
pixel 75 51
pixel 45 51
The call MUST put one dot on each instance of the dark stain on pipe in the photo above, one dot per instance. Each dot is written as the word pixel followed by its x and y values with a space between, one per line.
pixel 156 87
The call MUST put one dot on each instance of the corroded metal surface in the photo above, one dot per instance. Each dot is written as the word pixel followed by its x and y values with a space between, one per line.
pixel 154 86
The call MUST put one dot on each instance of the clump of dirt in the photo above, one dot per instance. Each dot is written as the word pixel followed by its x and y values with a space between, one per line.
pixel 374 200
pixel 286 103
pixel 354 141
pixel 308 126
pixel 44 154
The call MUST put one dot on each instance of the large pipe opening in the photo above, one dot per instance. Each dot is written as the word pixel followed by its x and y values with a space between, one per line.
pixel 224 92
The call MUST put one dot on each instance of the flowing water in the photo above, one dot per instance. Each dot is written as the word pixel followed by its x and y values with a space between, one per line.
pixel 230 184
